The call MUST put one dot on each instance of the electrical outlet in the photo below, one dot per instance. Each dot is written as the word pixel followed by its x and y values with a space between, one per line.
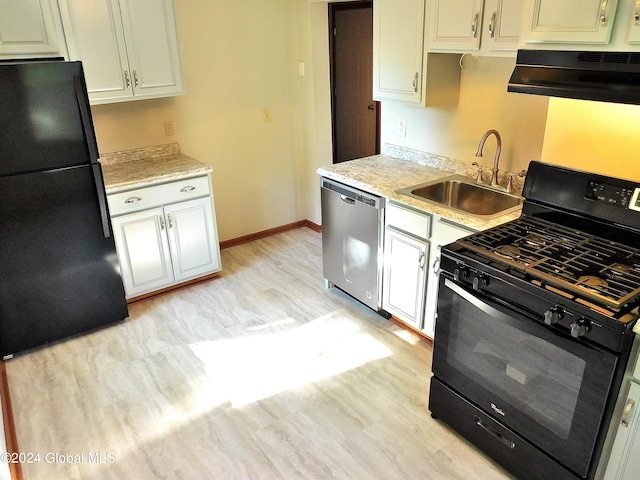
pixel 402 127
pixel 168 128
pixel 266 115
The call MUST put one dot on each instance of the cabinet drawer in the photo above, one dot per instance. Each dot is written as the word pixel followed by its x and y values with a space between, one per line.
pixel 408 221
pixel 156 195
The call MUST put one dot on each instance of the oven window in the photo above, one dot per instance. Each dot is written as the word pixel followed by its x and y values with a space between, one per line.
pixel 538 378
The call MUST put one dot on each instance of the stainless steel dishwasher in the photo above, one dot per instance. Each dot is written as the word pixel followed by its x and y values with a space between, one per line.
pixel 352 226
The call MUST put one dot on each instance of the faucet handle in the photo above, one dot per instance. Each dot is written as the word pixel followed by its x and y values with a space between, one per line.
pixel 510 188
pixel 479 178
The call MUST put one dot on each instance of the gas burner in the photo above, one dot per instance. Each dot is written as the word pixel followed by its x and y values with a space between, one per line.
pixel 508 251
pixel 620 268
pixel 535 240
pixel 592 282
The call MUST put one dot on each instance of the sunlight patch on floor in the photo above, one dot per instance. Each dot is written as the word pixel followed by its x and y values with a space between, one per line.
pixel 249 369
pixel 407 336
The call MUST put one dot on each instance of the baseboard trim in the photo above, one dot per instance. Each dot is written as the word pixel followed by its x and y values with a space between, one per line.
pixel 15 469
pixel 206 278
pixel 269 232
pixel 423 336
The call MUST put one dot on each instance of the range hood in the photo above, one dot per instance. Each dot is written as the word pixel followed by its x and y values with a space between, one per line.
pixel 605 76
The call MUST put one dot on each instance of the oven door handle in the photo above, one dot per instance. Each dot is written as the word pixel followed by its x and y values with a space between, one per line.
pixel 482 304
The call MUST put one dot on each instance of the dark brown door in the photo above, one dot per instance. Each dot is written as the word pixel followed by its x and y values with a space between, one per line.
pixel 355 114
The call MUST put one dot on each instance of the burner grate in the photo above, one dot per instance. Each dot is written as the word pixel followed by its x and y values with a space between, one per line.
pixel 601 270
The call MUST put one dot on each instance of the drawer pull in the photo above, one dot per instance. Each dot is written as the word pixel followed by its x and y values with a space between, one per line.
pixel 133 200
pixel 188 188
pixel 627 411
pixel 170 221
pixel 497 435
pixel 161 217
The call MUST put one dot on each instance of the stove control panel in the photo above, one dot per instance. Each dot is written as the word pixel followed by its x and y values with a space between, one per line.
pixel 613 195
pixel 635 200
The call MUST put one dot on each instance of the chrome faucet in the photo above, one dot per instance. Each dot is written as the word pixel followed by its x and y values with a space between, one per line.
pixel 494 173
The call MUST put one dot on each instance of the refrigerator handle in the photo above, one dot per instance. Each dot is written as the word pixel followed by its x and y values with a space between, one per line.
pixel 85 116
pixel 102 198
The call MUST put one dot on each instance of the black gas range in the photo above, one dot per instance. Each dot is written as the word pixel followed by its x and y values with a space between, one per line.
pixel 535 321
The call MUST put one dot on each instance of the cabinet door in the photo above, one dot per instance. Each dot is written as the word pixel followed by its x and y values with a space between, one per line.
pixel 398 49
pixel 152 46
pixel 570 21
pixel 30 28
pixel 443 233
pixel 456 24
pixel 624 462
pixel 404 279
pixel 96 37
pixel 193 238
pixel 503 21
pixel 634 23
pixel 143 251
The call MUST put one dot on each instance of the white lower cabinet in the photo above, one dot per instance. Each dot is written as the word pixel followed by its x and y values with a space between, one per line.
pixel 166 244
pixel 443 232
pixel 405 276
pixel 624 461
pixel 406 251
pixel 411 263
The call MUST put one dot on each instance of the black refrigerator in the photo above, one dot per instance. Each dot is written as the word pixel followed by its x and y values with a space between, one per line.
pixel 59 273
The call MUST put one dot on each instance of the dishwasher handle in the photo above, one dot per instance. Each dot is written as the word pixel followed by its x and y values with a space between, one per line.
pixel 348 200
pixel 352 195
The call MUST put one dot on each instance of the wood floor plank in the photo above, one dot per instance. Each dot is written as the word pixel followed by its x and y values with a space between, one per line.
pixel 259 374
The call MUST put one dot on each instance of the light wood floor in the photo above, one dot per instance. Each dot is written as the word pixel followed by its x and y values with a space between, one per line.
pixel 260 374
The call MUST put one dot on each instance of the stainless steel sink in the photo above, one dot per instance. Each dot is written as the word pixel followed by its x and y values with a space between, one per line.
pixel 462 194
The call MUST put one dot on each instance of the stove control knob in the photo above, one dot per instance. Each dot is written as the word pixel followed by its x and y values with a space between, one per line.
pixel 553 315
pixel 480 282
pixel 580 327
pixel 460 273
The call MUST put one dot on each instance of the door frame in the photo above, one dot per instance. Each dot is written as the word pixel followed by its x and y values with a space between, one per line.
pixel 333 8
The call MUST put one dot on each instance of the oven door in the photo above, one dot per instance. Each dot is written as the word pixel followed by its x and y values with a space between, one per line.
pixel 546 386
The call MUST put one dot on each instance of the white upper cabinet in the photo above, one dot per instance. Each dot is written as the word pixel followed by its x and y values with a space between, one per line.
pixel 569 21
pixel 398 49
pixel 501 29
pixel 490 27
pixel 455 24
pixel 129 48
pixel 30 29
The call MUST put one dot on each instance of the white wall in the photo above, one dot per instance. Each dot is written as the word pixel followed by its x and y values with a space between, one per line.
pixel 484 104
pixel 242 56
pixel 238 58
pixel 594 136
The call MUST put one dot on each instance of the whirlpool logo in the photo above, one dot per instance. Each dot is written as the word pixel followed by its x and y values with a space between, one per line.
pixel 496 409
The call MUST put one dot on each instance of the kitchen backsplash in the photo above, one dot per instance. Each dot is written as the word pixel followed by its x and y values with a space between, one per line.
pixel 445 163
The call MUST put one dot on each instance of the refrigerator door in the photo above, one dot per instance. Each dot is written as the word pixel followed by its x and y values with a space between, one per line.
pixel 60 274
pixel 45 120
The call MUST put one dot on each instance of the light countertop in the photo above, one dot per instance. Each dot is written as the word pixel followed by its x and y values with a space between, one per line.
pixel 147 166
pixel 384 174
